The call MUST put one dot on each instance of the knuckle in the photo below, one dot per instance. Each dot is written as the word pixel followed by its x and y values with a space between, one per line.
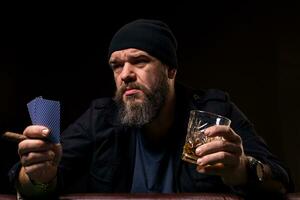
pixel 30 156
pixel 227 129
pixel 239 151
pixel 28 170
pixel 223 143
pixel 223 155
pixel 23 160
pixel 22 146
pixel 51 155
pixel 239 139
pixel 48 163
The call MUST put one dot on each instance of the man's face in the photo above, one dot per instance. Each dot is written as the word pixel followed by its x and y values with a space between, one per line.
pixel 142 85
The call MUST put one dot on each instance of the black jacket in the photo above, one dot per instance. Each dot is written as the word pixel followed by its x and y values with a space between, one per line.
pixel 98 153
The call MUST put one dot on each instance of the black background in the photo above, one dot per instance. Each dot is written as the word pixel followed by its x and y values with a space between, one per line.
pixel 249 49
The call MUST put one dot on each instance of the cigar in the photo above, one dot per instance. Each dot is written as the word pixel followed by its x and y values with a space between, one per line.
pixel 15 137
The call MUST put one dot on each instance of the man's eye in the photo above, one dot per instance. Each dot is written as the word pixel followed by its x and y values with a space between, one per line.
pixel 140 61
pixel 115 66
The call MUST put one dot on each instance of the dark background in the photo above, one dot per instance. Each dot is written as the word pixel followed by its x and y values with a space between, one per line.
pixel 249 49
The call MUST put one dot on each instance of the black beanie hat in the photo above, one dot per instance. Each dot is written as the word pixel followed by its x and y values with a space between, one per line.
pixel 152 36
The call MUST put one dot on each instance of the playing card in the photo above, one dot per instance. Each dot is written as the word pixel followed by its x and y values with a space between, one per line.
pixel 31 108
pixel 47 113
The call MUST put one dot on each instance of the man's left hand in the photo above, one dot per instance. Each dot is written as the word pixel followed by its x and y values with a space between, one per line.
pixel 224 157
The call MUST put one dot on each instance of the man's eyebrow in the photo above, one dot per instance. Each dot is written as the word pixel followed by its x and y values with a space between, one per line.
pixel 137 56
pixel 130 57
pixel 113 60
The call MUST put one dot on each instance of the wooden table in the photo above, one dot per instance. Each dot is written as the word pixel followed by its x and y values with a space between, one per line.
pixel 190 196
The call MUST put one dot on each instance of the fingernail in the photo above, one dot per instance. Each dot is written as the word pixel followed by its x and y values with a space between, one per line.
pixel 45 132
pixel 199 160
pixel 206 131
pixel 198 151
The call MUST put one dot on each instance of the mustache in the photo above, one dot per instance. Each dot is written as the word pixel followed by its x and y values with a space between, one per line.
pixel 127 86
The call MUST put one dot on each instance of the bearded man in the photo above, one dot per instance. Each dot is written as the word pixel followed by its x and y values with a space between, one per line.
pixel 132 143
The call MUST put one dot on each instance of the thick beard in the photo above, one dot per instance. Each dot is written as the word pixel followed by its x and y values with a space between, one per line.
pixel 136 114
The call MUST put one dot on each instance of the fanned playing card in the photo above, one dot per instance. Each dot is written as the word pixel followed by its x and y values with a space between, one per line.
pixel 47 113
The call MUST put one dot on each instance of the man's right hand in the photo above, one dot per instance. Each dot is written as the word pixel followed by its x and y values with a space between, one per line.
pixel 38 156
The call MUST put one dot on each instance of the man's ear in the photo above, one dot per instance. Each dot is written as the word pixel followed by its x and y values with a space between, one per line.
pixel 171 73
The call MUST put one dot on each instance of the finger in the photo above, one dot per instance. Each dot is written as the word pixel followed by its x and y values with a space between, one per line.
pixel 216 169
pixel 57 149
pixel 218 145
pixel 36 131
pixel 35 170
pixel 37 157
pixel 225 131
pixel 33 145
pixel 227 159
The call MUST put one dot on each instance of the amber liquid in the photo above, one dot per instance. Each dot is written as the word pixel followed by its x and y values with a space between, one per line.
pixel 189 154
pixel 189 147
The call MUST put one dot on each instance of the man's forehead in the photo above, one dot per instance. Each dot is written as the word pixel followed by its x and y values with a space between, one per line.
pixel 127 53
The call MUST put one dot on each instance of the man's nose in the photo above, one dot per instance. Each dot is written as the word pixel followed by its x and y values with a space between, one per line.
pixel 128 73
